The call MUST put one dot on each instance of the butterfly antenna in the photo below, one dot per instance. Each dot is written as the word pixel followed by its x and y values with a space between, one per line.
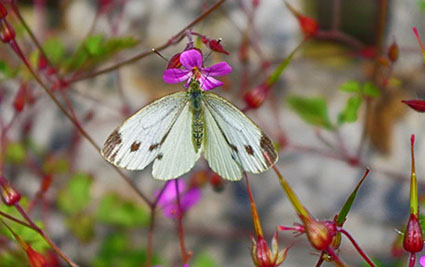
pixel 159 54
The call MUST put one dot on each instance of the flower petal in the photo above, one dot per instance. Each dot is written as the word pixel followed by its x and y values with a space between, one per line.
pixel 176 75
pixel 191 197
pixel 218 69
pixel 191 58
pixel 208 83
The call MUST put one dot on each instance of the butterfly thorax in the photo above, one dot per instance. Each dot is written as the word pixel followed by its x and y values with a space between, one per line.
pixel 195 93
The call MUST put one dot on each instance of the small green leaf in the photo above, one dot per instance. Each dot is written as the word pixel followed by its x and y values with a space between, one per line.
pixel 204 260
pixel 350 87
pixel 118 211
pixel 342 215
pixel 311 110
pixel 55 50
pixel 15 153
pixel 349 114
pixel 370 89
pixel 116 44
pixel 76 195
pixel 280 69
pixel 94 45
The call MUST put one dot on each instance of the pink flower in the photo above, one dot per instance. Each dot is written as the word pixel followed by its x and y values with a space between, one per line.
pixel 168 199
pixel 422 260
pixel 193 68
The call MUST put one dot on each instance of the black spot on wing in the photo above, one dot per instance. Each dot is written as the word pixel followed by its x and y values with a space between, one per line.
pixel 249 150
pixel 153 147
pixel 135 146
pixel 159 157
pixel 113 140
pixel 268 150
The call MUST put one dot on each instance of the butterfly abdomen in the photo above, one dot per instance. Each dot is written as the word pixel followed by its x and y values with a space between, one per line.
pixel 198 123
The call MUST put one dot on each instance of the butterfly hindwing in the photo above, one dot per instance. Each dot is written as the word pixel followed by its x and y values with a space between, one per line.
pixel 251 148
pixel 177 154
pixel 139 140
pixel 218 153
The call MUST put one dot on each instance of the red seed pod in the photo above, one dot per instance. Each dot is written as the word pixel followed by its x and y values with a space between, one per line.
pixel 413 240
pixel 217 182
pixel 415 104
pixel 174 62
pixel 319 233
pixel 263 256
pixel 21 97
pixel 309 26
pixel 7 33
pixel 3 11
pixel 393 52
pixel 9 195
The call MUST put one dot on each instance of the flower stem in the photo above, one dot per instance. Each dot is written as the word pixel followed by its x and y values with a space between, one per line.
pixel 185 255
pixel 255 218
pixel 357 247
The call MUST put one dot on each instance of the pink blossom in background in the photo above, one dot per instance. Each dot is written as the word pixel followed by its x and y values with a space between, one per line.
pixel 422 260
pixel 193 68
pixel 168 199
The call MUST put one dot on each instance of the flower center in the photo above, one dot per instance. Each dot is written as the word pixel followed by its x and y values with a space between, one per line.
pixel 196 72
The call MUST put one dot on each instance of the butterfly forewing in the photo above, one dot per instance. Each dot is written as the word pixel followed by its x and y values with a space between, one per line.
pixel 251 148
pixel 140 139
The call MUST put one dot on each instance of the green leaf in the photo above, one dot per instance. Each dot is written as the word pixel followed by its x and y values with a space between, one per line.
pixel 117 250
pixel 312 110
pixel 121 212
pixel 204 260
pixel 350 87
pixel 15 153
pixel 27 234
pixel 76 195
pixel 94 45
pixel 280 69
pixel 342 215
pixel 54 49
pixel 349 114
pixel 116 44
pixel 370 89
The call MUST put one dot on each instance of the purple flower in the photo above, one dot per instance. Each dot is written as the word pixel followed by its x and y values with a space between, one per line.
pixel 168 199
pixel 193 68
pixel 422 260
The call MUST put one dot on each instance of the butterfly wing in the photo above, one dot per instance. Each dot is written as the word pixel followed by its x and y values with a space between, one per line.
pixel 140 139
pixel 177 153
pixel 240 141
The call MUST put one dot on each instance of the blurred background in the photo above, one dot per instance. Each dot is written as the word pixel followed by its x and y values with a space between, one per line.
pixel 97 219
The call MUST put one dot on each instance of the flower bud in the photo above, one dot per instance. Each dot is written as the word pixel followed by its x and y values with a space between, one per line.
pixel 174 62
pixel 261 254
pixel 416 104
pixel 7 33
pixel 35 259
pixel 9 195
pixel 21 97
pixel 413 240
pixel 309 26
pixel 214 45
pixel 319 233
pixel 255 97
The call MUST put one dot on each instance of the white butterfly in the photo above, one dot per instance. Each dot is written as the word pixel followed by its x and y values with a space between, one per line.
pixel 174 130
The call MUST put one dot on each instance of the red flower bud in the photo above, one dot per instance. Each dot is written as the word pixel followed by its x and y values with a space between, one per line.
pixel 413 240
pixel 215 45
pixel 255 97
pixel 9 195
pixel 262 256
pixel 3 11
pixel 320 234
pixel 174 62
pixel 309 26
pixel 35 259
pixel 7 33
pixel 393 52
pixel 21 97
pixel 217 182
pixel 416 104
pixel 42 63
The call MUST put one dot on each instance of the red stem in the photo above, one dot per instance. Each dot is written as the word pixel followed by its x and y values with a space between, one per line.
pixel 361 252
pixel 412 260
pixel 185 255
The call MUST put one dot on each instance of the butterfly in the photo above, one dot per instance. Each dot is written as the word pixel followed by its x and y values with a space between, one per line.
pixel 174 130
